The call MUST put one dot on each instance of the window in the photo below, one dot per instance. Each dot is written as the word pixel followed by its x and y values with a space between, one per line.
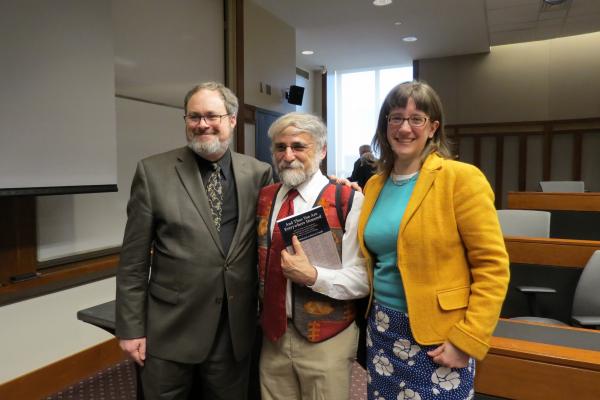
pixel 358 97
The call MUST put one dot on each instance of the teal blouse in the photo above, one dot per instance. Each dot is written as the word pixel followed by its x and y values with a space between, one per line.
pixel 381 237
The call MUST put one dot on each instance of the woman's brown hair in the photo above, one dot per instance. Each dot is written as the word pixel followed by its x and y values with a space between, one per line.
pixel 427 101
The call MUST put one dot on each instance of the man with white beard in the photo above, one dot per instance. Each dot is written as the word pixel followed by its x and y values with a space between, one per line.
pixel 308 313
pixel 191 222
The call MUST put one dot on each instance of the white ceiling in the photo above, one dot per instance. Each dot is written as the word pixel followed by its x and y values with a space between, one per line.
pixel 348 34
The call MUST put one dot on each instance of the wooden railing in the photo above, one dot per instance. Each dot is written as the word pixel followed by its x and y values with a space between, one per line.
pixel 556 252
pixel 470 138
pixel 554 201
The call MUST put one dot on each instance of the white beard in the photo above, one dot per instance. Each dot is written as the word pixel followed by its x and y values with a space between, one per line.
pixel 293 174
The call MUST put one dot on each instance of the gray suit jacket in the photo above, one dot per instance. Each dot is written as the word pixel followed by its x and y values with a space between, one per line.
pixel 177 306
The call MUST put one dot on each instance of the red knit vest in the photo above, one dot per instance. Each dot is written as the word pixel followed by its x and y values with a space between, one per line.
pixel 316 316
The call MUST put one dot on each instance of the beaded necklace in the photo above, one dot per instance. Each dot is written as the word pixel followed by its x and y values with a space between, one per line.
pixel 403 180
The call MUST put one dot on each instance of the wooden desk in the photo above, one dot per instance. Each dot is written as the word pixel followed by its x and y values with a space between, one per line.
pixel 574 215
pixel 536 361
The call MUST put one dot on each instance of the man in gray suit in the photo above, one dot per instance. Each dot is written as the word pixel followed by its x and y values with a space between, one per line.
pixel 187 280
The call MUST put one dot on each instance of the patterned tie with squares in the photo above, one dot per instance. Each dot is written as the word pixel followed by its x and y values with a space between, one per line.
pixel 214 191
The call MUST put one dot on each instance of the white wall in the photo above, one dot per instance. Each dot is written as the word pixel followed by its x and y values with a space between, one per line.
pixel 46 326
pixel 57 119
pixel 77 223
pixel 43 330
pixel 163 48
pixel 171 47
pixel 269 57
pixel 316 90
pixel 307 98
pixel 311 102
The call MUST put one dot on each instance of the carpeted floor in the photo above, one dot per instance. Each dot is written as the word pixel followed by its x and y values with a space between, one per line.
pixel 114 383
pixel 118 383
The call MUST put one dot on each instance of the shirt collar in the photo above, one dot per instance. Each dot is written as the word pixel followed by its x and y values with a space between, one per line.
pixel 223 162
pixel 314 183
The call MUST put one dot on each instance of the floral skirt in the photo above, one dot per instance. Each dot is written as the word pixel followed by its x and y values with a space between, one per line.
pixel 399 368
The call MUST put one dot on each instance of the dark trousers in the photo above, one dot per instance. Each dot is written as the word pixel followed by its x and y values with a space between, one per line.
pixel 219 377
pixel 218 380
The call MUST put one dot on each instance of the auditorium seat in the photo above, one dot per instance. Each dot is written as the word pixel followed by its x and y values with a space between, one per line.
pixel 586 300
pixel 529 223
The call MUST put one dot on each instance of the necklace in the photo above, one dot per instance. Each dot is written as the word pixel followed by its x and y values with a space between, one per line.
pixel 403 180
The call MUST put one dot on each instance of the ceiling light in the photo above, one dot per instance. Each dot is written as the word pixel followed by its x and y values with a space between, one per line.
pixel 409 39
pixel 380 3
pixel 308 52
pixel 397 23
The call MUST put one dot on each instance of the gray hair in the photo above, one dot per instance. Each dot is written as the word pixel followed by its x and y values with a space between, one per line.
pixel 230 100
pixel 308 123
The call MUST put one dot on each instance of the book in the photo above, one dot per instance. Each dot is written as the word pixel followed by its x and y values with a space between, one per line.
pixel 312 230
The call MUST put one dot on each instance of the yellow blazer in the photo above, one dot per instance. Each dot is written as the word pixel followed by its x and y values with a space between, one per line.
pixel 451 255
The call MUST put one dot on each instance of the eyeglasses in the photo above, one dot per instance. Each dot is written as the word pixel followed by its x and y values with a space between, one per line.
pixel 296 147
pixel 415 121
pixel 194 119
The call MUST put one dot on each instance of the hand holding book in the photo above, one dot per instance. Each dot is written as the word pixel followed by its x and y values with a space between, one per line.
pixel 296 266
pixel 312 230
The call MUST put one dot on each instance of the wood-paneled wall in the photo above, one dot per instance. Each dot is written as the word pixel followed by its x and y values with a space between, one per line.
pixel 579 132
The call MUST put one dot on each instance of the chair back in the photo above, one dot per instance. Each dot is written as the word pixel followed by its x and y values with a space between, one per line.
pixel 586 300
pixel 562 186
pixel 530 223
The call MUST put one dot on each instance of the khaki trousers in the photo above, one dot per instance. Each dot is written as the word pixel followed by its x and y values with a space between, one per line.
pixel 294 368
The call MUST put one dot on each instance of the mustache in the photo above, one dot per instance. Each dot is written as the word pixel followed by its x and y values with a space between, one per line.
pixel 206 132
pixel 290 165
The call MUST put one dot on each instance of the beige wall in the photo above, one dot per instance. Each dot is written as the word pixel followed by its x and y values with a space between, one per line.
pixel 535 81
pixel 269 57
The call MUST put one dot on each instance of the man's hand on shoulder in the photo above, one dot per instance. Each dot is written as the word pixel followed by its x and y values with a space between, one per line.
pixel 136 348
pixel 345 182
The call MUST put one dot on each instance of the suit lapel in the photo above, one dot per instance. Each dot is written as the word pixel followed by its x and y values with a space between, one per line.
pixel 428 173
pixel 371 196
pixel 188 172
pixel 242 187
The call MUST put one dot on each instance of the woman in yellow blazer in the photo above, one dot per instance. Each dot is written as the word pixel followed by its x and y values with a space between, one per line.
pixel 437 263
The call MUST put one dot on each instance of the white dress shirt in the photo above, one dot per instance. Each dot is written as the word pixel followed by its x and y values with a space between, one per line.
pixel 349 282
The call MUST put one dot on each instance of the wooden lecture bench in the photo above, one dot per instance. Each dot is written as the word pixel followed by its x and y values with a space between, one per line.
pixel 573 215
pixel 529 360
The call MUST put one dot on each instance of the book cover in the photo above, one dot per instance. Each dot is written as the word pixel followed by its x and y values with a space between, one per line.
pixel 312 230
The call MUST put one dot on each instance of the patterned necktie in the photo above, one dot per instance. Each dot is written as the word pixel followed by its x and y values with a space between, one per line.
pixel 214 191
pixel 274 317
